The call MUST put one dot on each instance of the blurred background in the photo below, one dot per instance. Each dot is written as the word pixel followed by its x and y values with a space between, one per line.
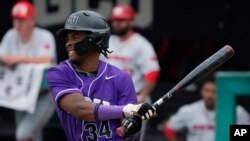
pixel 184 33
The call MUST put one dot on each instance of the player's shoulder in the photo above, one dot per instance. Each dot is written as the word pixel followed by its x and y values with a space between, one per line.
pixel 240 109
pixel 141 41
pixel 62 67
pixel 139 37
pixel 191 107
pixel 113 70
pixel 43 32
pixel 113 38
pixel 10 33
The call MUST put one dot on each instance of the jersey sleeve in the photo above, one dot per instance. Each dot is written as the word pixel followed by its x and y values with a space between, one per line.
pixel 179 121
pixel 147 61
pixel 242 116
pixel 126 90
pixel 59 84
pixel 47 46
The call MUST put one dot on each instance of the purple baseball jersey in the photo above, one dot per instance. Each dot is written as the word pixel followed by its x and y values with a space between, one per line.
pixel 110 86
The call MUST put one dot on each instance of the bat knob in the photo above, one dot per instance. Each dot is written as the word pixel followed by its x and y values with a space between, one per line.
pixel 120 131
pixel 130 126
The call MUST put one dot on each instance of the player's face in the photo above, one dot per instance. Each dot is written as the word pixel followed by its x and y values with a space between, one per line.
pixel 208 94
pixel 72 38
pixel 121 27
pixel 23 26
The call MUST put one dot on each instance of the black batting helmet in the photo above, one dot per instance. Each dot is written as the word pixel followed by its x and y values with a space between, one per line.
pixel 92 23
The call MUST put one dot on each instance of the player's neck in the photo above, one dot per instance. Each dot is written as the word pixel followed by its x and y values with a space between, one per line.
pixel 87 67
pixel 89 64
pixel 127 36
pixel 210 107
pixel 26 37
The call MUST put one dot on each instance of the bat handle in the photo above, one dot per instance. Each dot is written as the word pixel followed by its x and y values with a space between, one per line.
pixel 158 103
pixel 168 95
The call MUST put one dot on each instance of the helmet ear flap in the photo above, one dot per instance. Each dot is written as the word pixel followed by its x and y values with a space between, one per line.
pixel 89 43
pixel 93 41
pixel 85 45
pixel 99 40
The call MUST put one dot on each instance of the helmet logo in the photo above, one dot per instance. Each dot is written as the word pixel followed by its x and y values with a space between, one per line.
pixel 72 20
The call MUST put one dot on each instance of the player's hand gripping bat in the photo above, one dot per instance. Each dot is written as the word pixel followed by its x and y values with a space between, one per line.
pixel 129 126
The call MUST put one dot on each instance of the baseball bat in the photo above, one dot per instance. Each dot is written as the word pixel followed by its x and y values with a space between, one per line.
pixel 207 66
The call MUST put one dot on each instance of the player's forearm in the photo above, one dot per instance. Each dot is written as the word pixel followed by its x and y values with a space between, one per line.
pixel 83 110
pixel 37 60
pixel 96 112
pixel 148 87
pixel 150 80
pixel 105 112
pixel 2 61
pixel 146 90
pixel 78 107
pixel 16 59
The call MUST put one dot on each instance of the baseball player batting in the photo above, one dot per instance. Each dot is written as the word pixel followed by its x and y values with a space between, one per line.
pixel 91 96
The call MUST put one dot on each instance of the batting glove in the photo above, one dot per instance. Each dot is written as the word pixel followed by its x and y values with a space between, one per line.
pixel 145 110
pixel 131 125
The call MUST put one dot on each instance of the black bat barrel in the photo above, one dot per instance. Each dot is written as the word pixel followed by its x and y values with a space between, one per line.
pixel 200 71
